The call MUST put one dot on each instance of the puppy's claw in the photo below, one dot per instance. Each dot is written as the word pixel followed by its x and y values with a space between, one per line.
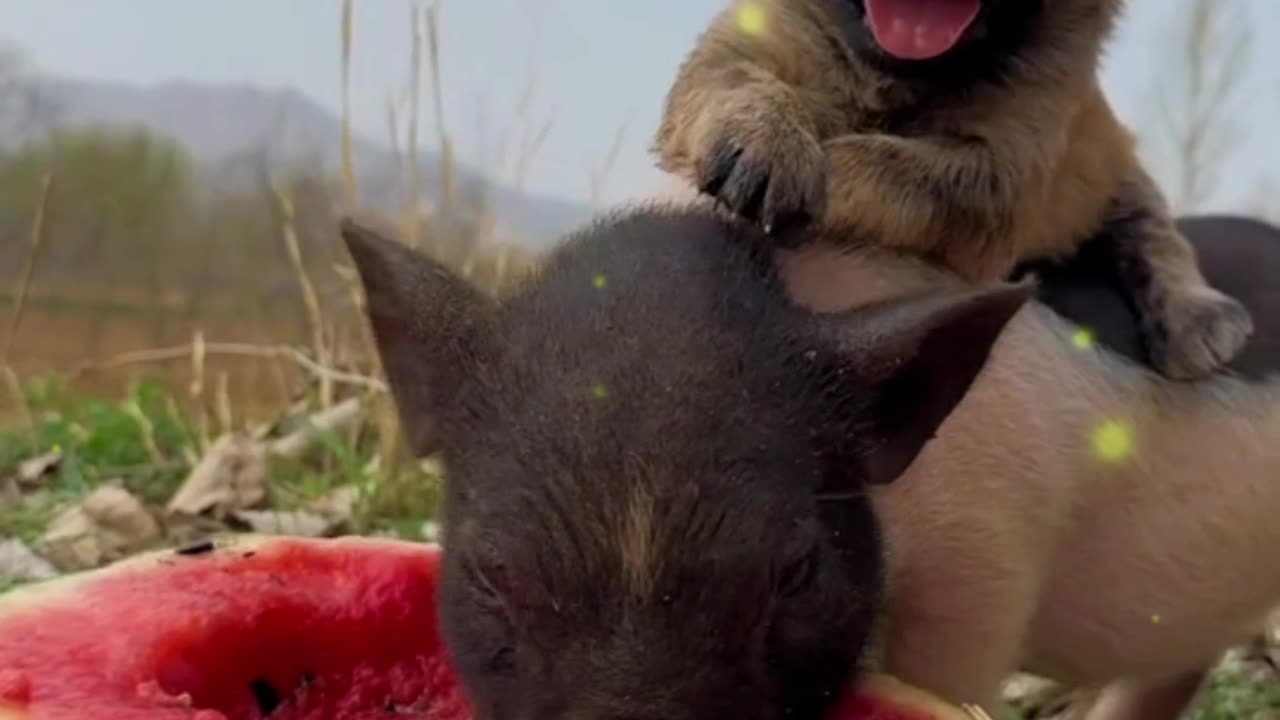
pixel 777 180
pixel 745 189
pixel 718 167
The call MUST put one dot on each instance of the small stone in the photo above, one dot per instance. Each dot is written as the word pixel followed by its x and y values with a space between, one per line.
pixel 232 476
pixel 108 524
pixel 297 523
pixel 338 506
pixel 37 468
pixel 17 561
pixel 430 531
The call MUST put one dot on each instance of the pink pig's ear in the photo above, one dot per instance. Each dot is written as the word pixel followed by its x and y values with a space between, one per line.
pixel 895 370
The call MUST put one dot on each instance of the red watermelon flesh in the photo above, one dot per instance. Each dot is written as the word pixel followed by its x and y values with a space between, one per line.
pixel 279 628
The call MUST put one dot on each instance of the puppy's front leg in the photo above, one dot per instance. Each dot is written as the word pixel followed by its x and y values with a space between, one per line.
pixel 1190 328
pixel 952 198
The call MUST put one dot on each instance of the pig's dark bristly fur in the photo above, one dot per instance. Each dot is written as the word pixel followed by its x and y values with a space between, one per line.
pixel 655 464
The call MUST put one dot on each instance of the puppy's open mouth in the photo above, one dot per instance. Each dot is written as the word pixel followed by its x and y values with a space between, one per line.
pixel 920 29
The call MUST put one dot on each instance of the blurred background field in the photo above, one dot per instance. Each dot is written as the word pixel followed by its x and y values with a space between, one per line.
pixel 180 346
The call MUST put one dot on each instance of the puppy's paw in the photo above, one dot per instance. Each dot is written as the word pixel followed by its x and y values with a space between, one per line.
pixel 1199 331
pixel 764 167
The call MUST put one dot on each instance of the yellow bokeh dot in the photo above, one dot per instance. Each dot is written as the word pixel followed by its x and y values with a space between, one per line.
pixel 1113 441
pixel 1155 619
pixel 599 391
pixel 1082 339
pixel 599 282
pixel 751 18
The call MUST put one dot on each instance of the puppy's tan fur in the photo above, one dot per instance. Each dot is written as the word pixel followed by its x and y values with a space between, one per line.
pixel 1015 546
pixel 1026 163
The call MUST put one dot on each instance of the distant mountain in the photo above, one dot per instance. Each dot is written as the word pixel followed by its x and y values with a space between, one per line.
pixel 223 124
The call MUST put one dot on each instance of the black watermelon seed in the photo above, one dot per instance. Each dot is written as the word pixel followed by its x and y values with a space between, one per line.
pixel 266 695
pixel 198 548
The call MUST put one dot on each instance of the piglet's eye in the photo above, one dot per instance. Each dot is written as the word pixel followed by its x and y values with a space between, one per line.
pixel 489 577
pixel 503 660
pixel 798 575
pixel 491 580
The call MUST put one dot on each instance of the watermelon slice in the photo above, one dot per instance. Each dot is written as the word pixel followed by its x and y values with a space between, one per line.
pixel 257 627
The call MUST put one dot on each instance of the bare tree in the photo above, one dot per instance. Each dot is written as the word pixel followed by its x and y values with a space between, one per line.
pixel 24 106
pixel 1214 53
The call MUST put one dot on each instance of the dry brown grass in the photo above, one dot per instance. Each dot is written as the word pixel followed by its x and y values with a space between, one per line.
pixel 49 337
pixel 1197 110
pixel 239 364
pixel 34 247
pixel 85 345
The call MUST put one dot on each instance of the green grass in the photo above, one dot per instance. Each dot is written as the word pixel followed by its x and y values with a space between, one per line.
pixel 1233 696
pixel 7 583
pixel 142 441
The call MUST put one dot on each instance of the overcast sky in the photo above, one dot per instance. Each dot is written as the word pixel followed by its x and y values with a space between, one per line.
pixel 598 64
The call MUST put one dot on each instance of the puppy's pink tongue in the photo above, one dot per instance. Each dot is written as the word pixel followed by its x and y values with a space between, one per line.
pixel 920 29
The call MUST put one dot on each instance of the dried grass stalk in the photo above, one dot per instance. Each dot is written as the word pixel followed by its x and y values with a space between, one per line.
pixel 34 247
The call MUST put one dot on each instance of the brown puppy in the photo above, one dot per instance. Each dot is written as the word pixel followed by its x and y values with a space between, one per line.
pixel 673 494
pixel 973 131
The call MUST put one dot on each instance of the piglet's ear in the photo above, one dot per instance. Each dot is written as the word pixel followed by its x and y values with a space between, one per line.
pixel 907 363
pixel 431 328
